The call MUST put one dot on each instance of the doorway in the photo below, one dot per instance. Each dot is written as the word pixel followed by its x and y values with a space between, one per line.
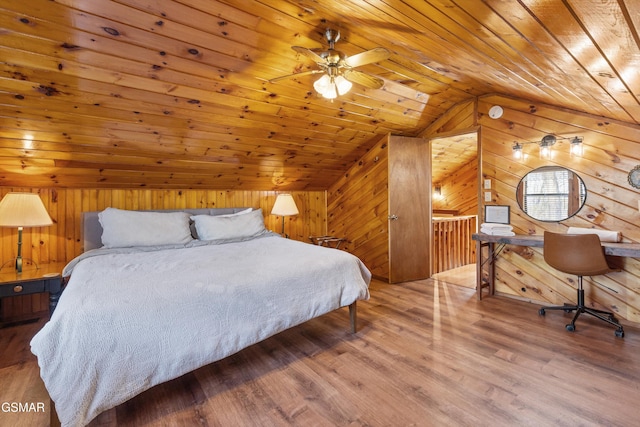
pixel 454 176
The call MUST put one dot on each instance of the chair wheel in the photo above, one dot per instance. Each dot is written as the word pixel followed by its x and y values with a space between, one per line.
pixel 619 333
pixel 570 327
pixel 541 312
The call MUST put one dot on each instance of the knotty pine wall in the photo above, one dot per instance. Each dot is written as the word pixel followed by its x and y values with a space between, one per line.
pixel 63 240
pixel 612 149
pixel 460 191
pixel 358 206
pixel 358 203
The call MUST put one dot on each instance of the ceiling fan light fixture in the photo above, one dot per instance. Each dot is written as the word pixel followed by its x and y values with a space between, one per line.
pixel 330 87
pixel 331 93
pixel 338 68
pixel 343 85
pixel 322 84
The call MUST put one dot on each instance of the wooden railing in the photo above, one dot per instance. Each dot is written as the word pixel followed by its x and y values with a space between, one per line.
pixel 452 242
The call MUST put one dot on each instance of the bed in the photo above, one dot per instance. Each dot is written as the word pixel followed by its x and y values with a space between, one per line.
pixel 147 302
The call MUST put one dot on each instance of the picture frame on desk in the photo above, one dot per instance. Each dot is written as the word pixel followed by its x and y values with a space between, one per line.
pixel 497 214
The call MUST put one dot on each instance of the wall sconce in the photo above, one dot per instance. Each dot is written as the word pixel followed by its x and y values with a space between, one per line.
pixel 545 145
pixel 517 151
pixel 577 149
pixel 437 191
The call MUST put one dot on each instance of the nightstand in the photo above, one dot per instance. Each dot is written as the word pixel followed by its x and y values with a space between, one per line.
pixel 47 278
pixel 328 241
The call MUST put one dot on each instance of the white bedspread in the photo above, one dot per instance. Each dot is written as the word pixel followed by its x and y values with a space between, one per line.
pixel 128 321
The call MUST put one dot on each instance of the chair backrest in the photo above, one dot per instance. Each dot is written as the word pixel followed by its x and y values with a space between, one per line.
pixel 579 254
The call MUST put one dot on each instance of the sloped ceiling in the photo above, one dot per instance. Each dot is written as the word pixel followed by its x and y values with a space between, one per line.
pixel 176 94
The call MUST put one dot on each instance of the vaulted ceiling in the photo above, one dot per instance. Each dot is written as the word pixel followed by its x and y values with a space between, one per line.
pixel 178 93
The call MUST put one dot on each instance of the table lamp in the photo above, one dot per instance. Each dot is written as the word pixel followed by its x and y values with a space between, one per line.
pixel 22 210
pixel 284 206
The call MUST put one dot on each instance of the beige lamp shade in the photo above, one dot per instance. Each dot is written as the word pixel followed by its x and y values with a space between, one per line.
pixel 284 205
pixel 23 210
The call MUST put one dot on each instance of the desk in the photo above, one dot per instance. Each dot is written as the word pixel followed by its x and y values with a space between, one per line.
pixel 631 250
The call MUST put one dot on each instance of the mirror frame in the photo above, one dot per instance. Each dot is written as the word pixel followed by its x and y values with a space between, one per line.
pixel 578 182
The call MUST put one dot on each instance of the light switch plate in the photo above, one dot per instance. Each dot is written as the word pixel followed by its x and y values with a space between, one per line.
pixel 487 196
pixel 487 184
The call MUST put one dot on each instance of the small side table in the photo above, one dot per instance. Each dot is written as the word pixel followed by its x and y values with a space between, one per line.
pixel 47 278
pixel 328 241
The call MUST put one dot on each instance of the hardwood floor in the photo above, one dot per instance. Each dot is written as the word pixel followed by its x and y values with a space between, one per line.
pixel 462 276
pixel 427 353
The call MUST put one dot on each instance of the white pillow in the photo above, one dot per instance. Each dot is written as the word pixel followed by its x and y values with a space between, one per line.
pixel 242 212
pixel 192 225
pixel 218 227
pixel 122 228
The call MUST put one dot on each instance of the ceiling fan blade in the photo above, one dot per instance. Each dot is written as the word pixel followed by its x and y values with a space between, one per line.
pixel 363 79
pixel 290 76
pixel 309 54
pixel 369 57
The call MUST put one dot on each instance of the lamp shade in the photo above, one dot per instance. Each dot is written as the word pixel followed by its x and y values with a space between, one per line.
pixel 284 205
pixel 23 210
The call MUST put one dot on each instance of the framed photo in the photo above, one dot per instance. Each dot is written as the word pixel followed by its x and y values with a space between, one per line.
pixel 497 214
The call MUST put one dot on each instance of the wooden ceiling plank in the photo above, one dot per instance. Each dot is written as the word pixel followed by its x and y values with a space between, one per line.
pixel 560 51
pixel 209 133
pixel 121 68
pixel 424 18
pixel 401 115
pixel 146 157
pixel 621 48
pixel 21 157
pixel 243 109
pixel 183 84
pixel 502 34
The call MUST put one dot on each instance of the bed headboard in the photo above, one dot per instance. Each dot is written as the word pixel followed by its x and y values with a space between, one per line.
pixel 92 230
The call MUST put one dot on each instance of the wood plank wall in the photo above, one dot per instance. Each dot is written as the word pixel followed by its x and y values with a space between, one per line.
pixel 612 149
pixel 358 207
pixel 460 191
pixel 358 203
pixel 63 240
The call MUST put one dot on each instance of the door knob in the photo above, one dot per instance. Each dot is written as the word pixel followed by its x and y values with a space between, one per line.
pixel 392 217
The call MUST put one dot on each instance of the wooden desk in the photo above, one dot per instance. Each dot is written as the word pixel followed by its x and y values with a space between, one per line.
pixel 631 250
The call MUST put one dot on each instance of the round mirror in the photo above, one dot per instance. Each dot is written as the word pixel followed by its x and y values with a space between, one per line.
pixel 551 193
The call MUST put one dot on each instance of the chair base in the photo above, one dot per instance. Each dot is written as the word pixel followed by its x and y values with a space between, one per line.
pixel 580 308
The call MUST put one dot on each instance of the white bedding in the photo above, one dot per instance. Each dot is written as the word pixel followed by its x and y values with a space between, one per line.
pixel 129 320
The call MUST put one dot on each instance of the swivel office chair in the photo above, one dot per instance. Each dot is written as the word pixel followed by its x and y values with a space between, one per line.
pixel 582 255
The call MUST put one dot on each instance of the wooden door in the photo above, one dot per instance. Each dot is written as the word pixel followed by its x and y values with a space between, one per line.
pixel 409 209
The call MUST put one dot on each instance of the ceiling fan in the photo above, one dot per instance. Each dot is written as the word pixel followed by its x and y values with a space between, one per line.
pixel 338 69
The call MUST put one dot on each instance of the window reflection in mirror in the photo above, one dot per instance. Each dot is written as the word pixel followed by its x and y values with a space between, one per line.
pixel 551 193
